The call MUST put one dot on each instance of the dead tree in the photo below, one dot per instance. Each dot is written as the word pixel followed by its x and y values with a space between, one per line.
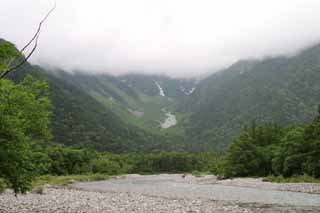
pixel 18 61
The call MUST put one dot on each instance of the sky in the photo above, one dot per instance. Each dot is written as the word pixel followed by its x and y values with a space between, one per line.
pixel 180 38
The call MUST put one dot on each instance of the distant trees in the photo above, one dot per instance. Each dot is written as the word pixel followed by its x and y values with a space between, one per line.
pixel 268 149
pixel 65 161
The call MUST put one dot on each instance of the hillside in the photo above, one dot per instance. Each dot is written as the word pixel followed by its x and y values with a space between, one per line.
pixel 139 100
pixel 278 89
pixel 80 120
pixel 127 113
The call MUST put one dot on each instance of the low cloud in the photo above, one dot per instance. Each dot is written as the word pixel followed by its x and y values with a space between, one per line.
pixel 176 37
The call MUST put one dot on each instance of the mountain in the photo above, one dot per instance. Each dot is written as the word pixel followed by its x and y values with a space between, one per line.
pixel 79 119
pixel 285 90
pixel 139 100
pixel 128 113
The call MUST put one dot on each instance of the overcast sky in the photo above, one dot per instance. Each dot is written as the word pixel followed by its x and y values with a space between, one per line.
pixel 177 37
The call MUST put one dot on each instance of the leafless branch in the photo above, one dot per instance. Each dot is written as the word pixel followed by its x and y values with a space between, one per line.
pixel 34 40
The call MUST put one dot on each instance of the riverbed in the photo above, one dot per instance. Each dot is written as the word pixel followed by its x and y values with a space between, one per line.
pixel 207 188
pixel 169 121
pixel 163 193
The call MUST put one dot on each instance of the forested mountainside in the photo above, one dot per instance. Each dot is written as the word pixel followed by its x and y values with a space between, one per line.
pixel 124 113
pixel 80 120
pixel 285 90
pixel 135 98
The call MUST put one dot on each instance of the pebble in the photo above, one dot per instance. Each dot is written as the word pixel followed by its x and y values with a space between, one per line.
pixel 62 200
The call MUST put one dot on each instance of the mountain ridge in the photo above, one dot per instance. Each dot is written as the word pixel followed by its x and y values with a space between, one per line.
pixel 116 112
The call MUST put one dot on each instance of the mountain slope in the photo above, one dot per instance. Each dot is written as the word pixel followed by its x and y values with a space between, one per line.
pixel 280 89
pixel 122 114
pixel 80 120
pixel 135 98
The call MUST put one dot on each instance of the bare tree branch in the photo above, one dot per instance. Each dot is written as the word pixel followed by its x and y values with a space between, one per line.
pixel 34 39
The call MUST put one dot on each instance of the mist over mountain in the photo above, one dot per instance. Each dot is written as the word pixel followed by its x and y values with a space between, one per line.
pixel 283 90
pixel 140 112
pixel 178 38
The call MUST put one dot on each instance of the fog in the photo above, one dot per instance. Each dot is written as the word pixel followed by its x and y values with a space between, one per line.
pixel 175 37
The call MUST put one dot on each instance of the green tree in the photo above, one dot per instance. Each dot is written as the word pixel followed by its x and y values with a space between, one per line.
pixel 288 158
pixel 65 161
pixel 106 166
pixel 312 141
pixel 242 159
pixel 23 123
pixel 7 53
pixel 251 152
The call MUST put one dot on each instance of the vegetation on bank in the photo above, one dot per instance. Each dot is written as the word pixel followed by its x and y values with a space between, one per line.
pixel 269 149
pixel 293 179
pixel 66 180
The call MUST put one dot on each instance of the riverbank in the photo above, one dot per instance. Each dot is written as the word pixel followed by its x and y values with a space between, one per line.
pixel 168 193
pixel 64 200
pixel 72 200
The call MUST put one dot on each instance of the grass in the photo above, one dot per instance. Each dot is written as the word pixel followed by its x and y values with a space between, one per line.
pixel 294 179
pixel 66 180
pixel 3 185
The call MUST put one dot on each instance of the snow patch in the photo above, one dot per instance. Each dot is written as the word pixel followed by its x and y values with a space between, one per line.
pixel 187 92
pixel 161 92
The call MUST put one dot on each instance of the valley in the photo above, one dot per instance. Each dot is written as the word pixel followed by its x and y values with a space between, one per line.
pixel 200 113
pixel 160 106
pixel 241 121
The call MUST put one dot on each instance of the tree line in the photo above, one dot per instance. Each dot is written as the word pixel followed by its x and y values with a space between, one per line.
pixel 269 149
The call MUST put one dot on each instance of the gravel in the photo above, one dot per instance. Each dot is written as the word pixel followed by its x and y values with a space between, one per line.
pixel 160 193
pixel 71 200
pixel 174 186
pixel 311 188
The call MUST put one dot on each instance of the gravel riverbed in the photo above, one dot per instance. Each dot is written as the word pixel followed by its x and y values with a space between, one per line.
pixel 174 194
pixel 71 200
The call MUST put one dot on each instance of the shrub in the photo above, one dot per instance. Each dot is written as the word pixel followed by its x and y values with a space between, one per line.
pixel 3 185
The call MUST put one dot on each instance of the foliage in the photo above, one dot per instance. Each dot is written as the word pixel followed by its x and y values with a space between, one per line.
pixel 3 185
pixel 7 53
pixel 69 179
pixel 172 162
pixel 270 150
pixel 23 122
pixel 293 179
pixel 65 161
pixel 106 166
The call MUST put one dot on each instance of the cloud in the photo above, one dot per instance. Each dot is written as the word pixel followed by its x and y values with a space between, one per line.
pixel 176 37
